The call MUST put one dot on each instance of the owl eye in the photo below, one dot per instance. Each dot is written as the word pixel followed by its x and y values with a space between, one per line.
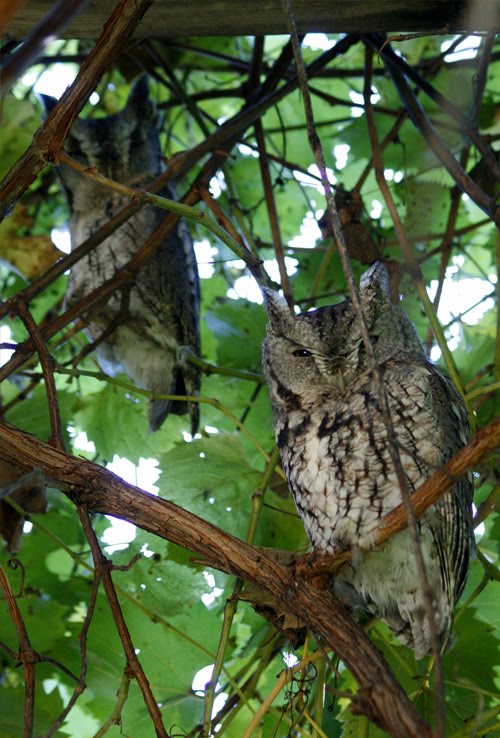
pixel 302 353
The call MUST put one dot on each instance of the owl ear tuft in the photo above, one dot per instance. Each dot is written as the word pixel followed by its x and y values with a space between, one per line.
pixel 376 279
pixel 375 290
pixel 277 308
pixel 139 101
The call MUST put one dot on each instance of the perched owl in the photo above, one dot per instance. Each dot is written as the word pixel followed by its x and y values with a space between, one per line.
pixel 334 449
pixel 162 316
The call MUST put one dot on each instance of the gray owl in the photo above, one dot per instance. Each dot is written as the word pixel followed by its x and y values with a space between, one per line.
pixel 163 305
pixel 334 448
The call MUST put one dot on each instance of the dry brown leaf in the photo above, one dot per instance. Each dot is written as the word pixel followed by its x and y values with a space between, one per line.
pixel 27 255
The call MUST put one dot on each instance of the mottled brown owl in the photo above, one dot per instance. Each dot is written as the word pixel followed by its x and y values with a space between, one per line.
pixel 334 448
pixel 162 317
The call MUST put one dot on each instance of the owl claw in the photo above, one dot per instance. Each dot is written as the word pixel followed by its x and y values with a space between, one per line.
pixel 182 355
pixel 321 566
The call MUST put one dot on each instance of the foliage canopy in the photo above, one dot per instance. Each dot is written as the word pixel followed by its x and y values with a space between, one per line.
pixel 180 613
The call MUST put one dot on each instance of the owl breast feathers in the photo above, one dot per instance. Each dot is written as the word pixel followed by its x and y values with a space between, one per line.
pixel 148 325
pixel 334 448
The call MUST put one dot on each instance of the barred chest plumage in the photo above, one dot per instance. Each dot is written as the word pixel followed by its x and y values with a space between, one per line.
pixel 336 459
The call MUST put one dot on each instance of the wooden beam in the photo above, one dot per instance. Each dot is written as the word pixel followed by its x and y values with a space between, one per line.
pixel 168 18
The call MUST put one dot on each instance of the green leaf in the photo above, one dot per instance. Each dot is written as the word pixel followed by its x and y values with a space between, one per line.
pixel 427 207
pixel 115 420
pixel 242 323
pixel 212 478
pixel 20 120
pixel 37 420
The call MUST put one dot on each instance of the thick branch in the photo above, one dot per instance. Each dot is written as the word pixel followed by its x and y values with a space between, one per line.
pixel 246 17
pixel 380 697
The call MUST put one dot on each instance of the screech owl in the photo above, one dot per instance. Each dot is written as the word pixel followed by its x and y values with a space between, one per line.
pixel 163 303
pixel 334 448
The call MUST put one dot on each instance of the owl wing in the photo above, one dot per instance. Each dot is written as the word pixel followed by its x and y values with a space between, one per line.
pixel 452 527
pixel 172 294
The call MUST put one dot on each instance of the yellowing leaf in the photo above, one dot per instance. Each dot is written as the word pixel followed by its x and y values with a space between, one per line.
pixel 27 255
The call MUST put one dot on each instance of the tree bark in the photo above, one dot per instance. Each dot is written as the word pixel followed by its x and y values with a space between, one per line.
pixel 245 17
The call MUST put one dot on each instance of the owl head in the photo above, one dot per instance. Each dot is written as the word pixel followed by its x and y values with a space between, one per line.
pixel 124 146
pixel 324 349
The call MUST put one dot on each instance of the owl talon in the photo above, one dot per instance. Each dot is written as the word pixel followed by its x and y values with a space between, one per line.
pixel 321 566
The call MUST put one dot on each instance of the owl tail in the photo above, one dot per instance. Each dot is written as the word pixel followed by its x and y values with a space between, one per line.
pixel 187 382
pixel 159 409
pixel 194 413
pixel 157 412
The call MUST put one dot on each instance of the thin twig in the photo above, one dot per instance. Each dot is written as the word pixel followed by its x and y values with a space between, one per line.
pixel 121 316
pixel 134 667
pixel 272 211
pixel 496 358
pixel 47 363
pixel 121 699
pixel 82 638
pixel 403 483
pixel 468 127
pixel 50 27
pixel 173 206
pixel 456 195
pixel 222 218
pixel 232 602
pixel 257 64
pixel 447 242
pixel 404 243
pixel 267 651
pixel 224 371
pixel 26 655
pixel 442 152
pixel 212 401
pixel 480 79
pixel 283 679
